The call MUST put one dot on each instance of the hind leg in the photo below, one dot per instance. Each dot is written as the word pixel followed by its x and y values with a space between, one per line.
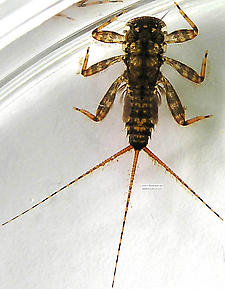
pixel 107 101
pixel 175 105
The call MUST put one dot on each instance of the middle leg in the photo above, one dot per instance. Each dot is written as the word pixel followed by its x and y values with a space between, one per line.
pixel 97 67
pixel 187 71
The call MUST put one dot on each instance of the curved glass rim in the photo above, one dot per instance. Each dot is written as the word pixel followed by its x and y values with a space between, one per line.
pixel 71 44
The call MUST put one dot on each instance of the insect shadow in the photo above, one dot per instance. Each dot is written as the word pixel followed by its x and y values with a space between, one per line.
pixel 144 43
pixel 85 3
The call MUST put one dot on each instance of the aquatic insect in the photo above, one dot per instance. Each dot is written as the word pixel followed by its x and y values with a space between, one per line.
pixel 144 43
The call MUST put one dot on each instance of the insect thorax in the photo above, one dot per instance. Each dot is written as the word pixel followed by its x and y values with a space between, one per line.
pixel 144 47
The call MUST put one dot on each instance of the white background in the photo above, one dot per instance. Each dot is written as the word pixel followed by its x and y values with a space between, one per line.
pixel 171 240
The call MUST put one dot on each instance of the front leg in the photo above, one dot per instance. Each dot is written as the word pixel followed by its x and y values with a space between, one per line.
pixel 182 35
pixel 108 36
pixel 107 101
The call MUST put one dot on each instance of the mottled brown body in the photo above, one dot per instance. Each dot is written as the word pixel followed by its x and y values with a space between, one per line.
pixel 144 44
pixel 144 47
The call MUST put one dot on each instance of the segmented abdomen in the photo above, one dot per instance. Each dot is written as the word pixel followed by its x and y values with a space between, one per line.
pixel 143 115
pixel 143 64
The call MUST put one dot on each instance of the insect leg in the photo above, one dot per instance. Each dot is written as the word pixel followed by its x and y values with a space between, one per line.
pixel 155 158
pixel 175 105
pixel 83 3
pixel 182 35
pixel 106 102
pixel 123 151
pixel 108 36
pixel 99 66
pixel 126 210
pixel 187 71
